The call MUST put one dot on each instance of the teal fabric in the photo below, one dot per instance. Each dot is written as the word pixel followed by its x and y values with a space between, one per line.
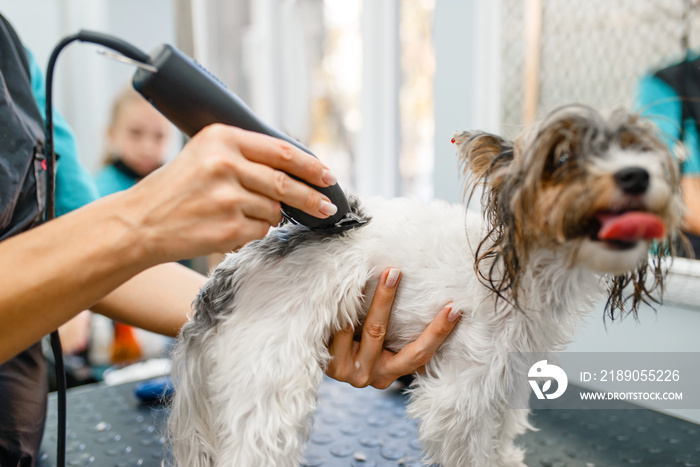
pixel 74 186
pixel 110 180
pixel 660 103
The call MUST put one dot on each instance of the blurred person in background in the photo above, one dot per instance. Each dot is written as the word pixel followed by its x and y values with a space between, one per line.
pixel 138 140
pixel 670 97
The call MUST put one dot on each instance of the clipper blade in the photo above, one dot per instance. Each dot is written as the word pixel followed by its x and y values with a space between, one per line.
pixel 348 222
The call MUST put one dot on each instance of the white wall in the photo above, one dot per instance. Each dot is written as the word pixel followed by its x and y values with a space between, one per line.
pixel 467 82
pixel 453 89
pixel 86 82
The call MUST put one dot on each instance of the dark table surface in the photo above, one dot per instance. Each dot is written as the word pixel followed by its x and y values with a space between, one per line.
pixel 109 426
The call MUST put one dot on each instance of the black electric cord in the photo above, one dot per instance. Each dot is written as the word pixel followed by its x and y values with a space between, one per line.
pixel 129 51
pixel 50 214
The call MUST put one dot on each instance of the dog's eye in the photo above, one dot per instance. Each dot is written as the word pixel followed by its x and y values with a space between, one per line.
pixel 563 158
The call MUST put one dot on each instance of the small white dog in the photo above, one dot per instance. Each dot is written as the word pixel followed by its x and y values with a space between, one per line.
pixel 571 208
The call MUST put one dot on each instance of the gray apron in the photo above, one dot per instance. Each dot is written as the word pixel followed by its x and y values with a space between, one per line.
pixel 23 379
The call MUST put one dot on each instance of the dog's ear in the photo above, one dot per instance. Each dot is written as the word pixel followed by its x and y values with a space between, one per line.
pixel 487 160
pixel 487 156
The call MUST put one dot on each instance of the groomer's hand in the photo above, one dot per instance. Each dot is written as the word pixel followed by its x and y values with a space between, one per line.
pixel 223 190
pixel 366 362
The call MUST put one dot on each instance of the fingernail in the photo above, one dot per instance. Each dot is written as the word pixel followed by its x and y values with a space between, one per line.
pixel 327 208
pixel 392 278
pixel 454 315
pixel 328 177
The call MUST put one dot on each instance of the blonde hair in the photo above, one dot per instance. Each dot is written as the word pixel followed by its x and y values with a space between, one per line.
pixel 125 97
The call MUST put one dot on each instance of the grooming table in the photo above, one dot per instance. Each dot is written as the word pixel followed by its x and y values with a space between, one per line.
pixel 108 426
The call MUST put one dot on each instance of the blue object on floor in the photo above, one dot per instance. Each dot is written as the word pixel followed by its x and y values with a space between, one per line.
pixel 109 426
pixel 154 390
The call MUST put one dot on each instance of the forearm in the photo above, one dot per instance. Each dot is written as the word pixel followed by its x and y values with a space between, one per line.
pixel 53 272
pixel 158 299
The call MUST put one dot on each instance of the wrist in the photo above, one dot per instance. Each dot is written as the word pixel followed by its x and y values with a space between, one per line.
pixel 133 237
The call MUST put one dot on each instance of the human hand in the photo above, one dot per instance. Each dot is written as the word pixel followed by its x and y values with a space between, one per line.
pixel 223 190
pixel 367 363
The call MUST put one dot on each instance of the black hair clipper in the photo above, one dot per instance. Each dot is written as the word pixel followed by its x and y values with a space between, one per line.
pixel 192 98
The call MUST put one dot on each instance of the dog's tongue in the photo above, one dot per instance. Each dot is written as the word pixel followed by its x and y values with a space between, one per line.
pixel 630 226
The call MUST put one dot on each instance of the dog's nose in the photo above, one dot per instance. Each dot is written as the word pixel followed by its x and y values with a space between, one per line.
pixel 632 180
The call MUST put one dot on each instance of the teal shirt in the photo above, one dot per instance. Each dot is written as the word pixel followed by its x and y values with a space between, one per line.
pixel 110 180
pixel 74 186
pixel 660 103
